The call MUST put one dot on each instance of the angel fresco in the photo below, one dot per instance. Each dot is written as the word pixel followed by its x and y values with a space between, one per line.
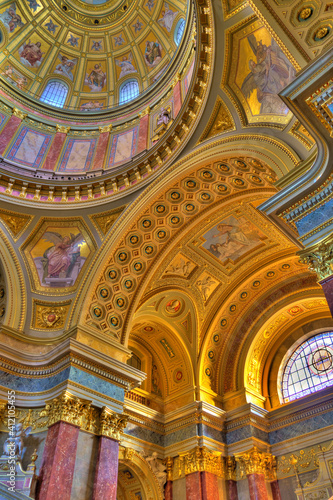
pixel 126 65
pixel 167 18
pixel 65 67
pixel 31 54
pixel 96 78
pixel 269 74
pixel 232 238
pixel 61 262
pixel 153 53
pixel 11 19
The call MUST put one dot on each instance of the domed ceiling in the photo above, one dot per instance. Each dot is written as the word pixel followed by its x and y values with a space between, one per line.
pixel 93 46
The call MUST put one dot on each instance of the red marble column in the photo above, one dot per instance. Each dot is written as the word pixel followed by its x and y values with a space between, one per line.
pixel 143 133
pixel 8 131
pixel 106 475
pixel 193 486
pixel 177 96
pixel 57 469
pixel 232 489
pixel 51 159
pixel 327 286
pixel 275 490
pixel 257 487
pixel 168 490
pixel 209 485
pixel 101 149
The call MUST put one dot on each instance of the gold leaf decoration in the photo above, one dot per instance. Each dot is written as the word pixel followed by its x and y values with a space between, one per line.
pixel 220 121
pixel 104 221
pixel 15 222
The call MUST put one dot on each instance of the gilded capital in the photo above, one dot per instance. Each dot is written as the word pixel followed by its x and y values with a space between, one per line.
pixel 319 258
pixel 199 459
pixel 62 129
pixel 256 462
pixel 105 128
pixel 231 464
pixel 66 408
pixel 17 112
pixel 112 424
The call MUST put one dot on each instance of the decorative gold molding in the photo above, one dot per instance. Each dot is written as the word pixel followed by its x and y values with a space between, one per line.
pixel 105 220
pixel 256 462
pixel 231 465
pixel 105 128
pixel 220 121
pixel 49 315
pixel 62 129
pixel 17 112
pixel 112 424
pixel 15 222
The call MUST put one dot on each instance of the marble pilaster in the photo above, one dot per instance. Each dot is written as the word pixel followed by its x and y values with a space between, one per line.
pixel 106 475
pixel 8 131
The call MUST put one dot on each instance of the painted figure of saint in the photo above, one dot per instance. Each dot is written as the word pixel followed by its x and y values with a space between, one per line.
pixel 96 78
pixel 31 54
pixel 59 259
pixel 153 53
pixel 11 19
pixel 65 67
pixel 167 18
pixel 269 74
pixel 126 65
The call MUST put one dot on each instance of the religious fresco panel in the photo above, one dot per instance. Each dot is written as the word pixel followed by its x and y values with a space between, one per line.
pixel 232 238
pixel 56 253
pixel 30 147
pixel 258 71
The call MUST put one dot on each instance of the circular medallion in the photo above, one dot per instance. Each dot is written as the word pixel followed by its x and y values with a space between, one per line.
pixel 174 307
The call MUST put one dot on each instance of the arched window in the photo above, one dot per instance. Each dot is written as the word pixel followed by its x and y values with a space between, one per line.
pixel 55 93
pixel 134 361
pixel 309 369
pixel 179 30
pixel 128 91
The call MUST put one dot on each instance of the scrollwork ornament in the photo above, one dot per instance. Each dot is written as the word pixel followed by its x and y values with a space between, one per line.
pixel 256 462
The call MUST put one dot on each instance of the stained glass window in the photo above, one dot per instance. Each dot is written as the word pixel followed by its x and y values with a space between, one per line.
pixel 309 368
pixel 55 93
pixel 128 91
pixel 179 30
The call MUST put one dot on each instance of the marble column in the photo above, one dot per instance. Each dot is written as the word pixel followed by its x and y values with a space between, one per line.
pixel 143 133
pixel 168 491
pixel 327 286
pixel 101 148
pixel 50 162
pixel 106 475
pixel 257 487
pixel 8 132
pixel 275 490
pixel 209 486
pixel 232 489
pixel 177 98
pixel 58 462
pixel 193 486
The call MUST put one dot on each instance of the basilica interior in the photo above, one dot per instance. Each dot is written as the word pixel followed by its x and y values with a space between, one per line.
pixel 166 249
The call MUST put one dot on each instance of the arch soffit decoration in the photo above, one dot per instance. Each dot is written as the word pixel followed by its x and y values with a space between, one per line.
pixel 138 465
pixel 276 284
pixel 208 153
pixel 16 292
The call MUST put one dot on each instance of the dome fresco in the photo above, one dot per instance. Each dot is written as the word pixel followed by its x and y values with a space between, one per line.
pixel 89 88
pixel 92 47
